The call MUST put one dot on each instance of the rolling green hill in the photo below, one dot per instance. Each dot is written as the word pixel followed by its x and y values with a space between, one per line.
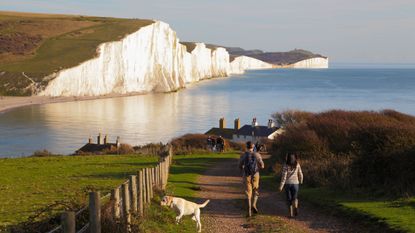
pixel 33 46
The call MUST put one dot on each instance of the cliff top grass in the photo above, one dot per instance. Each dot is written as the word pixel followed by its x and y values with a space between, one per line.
pixel 29 185
pixel 40 44
pixel 47 43
pixel 190 46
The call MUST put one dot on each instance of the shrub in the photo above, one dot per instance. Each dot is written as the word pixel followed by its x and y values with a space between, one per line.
pixel 43 153
pixel 123 149
pixel 194 143
pixel 290 117
pixel 152 149
pixel 369 150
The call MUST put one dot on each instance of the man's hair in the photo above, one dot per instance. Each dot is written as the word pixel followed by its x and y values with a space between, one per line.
pixel 249 145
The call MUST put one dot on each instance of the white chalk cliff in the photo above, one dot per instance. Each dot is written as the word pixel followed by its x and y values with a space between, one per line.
pixel 242 63
pixel 150 59
pixel 312 63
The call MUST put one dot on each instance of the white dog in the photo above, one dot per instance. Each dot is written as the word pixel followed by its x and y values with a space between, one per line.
pixel 185 208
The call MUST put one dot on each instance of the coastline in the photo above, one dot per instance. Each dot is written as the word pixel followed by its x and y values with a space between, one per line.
pixel 8 103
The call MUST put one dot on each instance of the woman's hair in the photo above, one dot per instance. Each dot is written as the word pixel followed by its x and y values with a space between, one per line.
pixel 291 160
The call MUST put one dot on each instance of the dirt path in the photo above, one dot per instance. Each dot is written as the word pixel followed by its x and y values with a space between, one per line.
pixel 226 211
pixel 222 185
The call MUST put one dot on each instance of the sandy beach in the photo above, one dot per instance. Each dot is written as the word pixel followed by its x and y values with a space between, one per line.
pixel 10 102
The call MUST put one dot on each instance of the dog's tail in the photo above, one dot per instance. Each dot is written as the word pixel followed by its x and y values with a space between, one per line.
pixel 204 204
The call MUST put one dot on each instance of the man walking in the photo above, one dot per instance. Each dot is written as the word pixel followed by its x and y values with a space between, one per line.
pixel 250 162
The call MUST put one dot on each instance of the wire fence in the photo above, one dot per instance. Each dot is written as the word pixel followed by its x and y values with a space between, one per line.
pixel 125 201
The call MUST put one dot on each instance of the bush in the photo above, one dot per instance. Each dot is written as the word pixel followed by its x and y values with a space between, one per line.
pixel 152 149
pixel 122 150
pixel 344 149
pixel 43 153
pixel 194 143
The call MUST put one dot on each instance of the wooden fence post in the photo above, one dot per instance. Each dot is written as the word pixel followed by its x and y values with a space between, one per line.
pixel 133 193
pixel 126 205
pixel 68 222
pixel 151 182
pixel 115 199
pixel 170 150
pixel 163 175
pixel 140 193
pixel 144 186
pixel 94 212
pixel 156 181
pixel 148 185
pixel 158 176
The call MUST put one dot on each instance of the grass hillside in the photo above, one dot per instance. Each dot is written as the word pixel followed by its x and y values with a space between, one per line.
pixel 33 46
pixel 190 46
pixel 35 189
pixel 276 58
pixel 285 58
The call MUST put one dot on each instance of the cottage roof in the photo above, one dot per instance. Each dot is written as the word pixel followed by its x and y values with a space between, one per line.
pixel 92 147
pixel 224 132
pixel 259 131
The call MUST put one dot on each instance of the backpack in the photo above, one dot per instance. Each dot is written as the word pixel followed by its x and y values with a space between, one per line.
pixel 250 164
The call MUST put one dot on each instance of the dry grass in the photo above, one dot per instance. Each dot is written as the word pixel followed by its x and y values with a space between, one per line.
pixel 190 46
pixel 364 150
pixel 40 46
pixel 17 31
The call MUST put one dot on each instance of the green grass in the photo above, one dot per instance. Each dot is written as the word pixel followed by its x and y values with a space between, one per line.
pixel 30 184
pixel 398 214
pixel 375 213
pixel 62 50
pixel 67 50
pixel 187 168
pixel 182 183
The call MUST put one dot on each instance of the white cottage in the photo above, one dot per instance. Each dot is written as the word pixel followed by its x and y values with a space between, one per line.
pixel 255 132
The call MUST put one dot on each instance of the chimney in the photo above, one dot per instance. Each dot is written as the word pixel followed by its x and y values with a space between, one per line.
pixel 222 123
pixel 118 142
pixel 254 122
pixel 99 139
pixel 237 124
pixel 270 123
pixel 105 139
pixel 90 140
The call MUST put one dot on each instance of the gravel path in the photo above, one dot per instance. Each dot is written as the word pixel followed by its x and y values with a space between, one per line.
pixel 222 184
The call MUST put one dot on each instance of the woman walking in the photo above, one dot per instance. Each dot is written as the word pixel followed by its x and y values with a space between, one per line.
pixel 291 178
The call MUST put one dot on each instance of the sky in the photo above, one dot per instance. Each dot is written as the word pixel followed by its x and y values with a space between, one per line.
pixel 354 31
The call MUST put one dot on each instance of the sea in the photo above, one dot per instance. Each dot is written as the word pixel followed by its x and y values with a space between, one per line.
pixel 64 127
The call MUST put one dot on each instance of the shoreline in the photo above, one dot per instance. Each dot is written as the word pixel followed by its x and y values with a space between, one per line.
pixel 8 103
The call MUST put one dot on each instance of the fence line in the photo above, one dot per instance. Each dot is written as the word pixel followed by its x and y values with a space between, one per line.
pixel 127 200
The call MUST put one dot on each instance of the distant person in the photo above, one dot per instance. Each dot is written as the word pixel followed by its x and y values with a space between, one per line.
pixel 256 147
pixel 209 143
pixel 250 162
pixel 291 178
pixel 220 144
pixel 213 144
